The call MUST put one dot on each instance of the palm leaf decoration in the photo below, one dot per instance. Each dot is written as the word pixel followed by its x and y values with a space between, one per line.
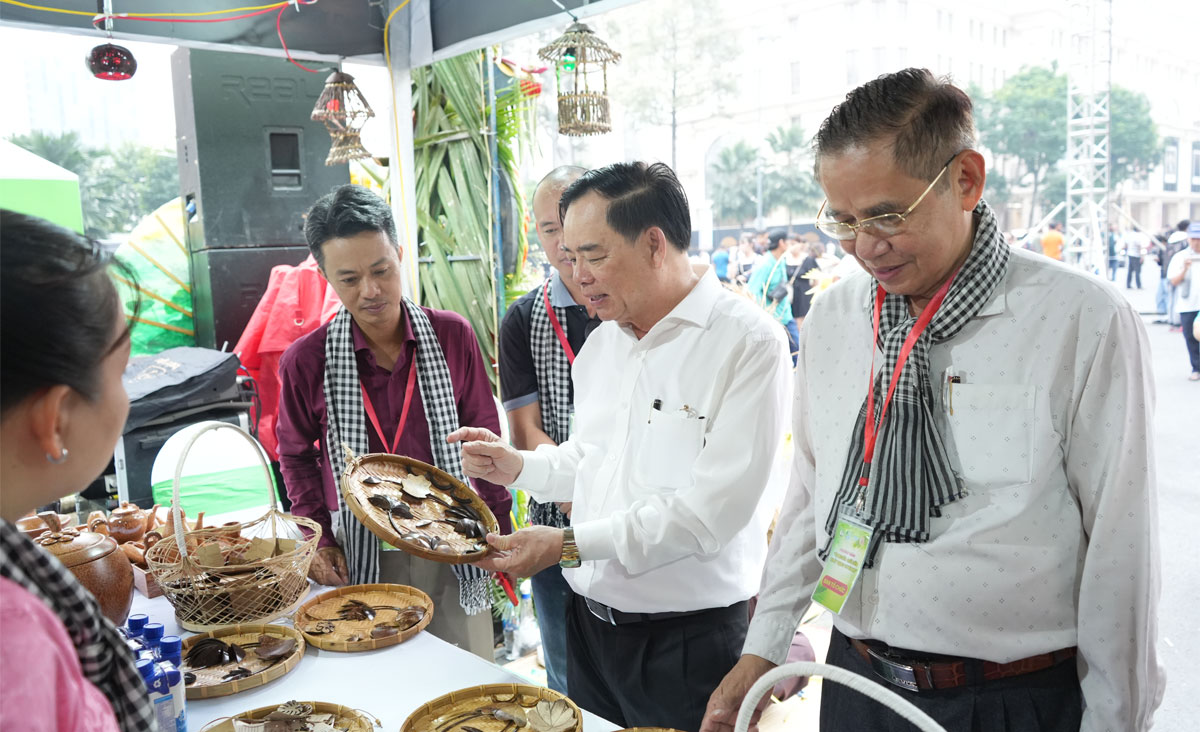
pixel 453 184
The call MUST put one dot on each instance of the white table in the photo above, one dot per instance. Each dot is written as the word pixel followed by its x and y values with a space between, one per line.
pixel 389 683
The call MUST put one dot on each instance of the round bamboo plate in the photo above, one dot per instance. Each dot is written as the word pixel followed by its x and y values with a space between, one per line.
pixel 453 548
pixel 328 604
pixel 434 715
pixel 208 684
pixel 345 718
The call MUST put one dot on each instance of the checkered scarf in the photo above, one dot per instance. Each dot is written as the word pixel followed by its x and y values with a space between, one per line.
pixel 105 659
pixel 912 476
pixel 553 372
pixel 347 425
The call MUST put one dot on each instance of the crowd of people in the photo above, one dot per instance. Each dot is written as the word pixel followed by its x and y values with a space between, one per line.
pixel 1171 252
pixel 971 493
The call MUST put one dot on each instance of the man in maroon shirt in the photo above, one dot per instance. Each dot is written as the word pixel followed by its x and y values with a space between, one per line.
pixel 353 238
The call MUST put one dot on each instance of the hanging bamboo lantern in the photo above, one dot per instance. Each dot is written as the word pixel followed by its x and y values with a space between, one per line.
pixel 344 111
pixel 581 62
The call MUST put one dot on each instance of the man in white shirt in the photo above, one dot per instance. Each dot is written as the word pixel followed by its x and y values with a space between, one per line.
pixel 1183 272
pixel 681 399
pixel 1006 575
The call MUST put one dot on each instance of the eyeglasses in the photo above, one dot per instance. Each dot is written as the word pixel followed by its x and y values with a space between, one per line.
pixel 883 225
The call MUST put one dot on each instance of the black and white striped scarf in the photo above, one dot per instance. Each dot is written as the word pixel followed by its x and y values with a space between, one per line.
pixel 553 372
pixel 912 476
pixel 348 425
pixel 103 656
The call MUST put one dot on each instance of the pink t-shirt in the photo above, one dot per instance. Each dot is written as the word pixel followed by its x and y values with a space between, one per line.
pixel 42 687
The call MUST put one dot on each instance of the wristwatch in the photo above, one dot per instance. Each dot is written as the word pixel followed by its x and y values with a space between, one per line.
pixel 570 552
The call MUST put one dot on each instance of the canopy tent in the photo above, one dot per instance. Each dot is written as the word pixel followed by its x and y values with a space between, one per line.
pixel 37 187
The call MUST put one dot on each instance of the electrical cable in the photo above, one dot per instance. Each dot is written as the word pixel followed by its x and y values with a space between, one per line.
pixel 279 30
pixel 146 16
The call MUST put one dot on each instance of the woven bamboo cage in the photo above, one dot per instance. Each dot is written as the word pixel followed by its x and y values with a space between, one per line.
pixel 581 62
pixel 344 110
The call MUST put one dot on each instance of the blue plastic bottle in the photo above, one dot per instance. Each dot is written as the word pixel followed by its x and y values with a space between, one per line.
pixel 159 689
pixel 151 636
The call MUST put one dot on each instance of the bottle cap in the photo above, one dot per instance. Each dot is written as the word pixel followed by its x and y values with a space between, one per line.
pixel 135 623
pixel 170 645
pixel 147 668
pixel 153 632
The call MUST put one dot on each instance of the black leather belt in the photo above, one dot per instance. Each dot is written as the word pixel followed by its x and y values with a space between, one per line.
pixel 616 617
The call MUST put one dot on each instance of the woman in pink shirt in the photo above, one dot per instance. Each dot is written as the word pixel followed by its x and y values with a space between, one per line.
pixel 65 344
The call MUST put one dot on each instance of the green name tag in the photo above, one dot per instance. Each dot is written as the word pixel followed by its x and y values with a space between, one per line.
pixel 847 552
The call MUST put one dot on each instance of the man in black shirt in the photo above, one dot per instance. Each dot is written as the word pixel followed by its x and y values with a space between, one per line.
pixel 539 338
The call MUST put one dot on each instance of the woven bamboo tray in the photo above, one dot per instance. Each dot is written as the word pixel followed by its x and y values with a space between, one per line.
pixel 208 684
pixel 351 720
pixel 433 715
pixel 342 637
pixel 453 547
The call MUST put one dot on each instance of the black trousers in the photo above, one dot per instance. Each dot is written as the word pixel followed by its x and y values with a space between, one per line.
pixel 1043 701
pixel 1187 320
pixel 1134 273
pixel 653 674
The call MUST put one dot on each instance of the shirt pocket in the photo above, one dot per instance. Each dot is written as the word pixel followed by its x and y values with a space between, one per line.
pixel 671 444
pixel 992 428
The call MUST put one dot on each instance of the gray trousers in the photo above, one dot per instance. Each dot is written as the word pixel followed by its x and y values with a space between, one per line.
pixel 450 622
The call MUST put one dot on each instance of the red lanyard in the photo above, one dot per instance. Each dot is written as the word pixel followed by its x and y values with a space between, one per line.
pixel 871 428
pixel 408 392
pixel 558 329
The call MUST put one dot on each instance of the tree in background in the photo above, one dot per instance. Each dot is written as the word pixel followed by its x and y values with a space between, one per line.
pixel 118 186
pixel 1026 118
pixel 65 150
pixel 675 56
pixel 733 185
pixel 790 183
pixel 1134 147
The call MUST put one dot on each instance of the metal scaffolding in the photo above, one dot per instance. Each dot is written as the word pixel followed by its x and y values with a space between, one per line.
pixel 1087 160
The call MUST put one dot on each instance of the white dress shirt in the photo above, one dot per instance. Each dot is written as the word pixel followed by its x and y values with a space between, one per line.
pixel 665 500
pixel 1191 283
pixel 1055 543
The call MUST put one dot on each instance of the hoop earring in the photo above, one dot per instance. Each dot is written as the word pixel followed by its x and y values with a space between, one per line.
pixel 58 460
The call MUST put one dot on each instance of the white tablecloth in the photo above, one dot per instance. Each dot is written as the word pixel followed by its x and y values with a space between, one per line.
pixel 389 683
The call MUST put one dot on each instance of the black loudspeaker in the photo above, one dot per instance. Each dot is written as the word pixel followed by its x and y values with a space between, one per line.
pixel 251 163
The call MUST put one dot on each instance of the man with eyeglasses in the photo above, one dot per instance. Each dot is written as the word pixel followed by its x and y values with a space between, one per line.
pixel 982 519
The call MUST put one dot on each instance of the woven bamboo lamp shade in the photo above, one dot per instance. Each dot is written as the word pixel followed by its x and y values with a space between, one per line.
pixel 581 62
pixel 343 110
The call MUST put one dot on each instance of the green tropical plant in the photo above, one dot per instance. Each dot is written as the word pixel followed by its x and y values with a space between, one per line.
pixel 733 183
pixel 453 189
pixel 790 183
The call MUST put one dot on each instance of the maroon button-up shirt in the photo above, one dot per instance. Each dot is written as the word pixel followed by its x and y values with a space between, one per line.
pixel 303 420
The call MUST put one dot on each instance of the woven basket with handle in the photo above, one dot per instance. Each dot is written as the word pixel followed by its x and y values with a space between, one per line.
pixel 203 575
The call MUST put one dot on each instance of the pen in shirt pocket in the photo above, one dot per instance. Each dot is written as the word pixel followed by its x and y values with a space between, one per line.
pixel 951 380
pixel 655 406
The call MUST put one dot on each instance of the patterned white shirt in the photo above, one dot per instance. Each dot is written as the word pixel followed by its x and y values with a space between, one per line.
pixel 1055 543
pixel 665 501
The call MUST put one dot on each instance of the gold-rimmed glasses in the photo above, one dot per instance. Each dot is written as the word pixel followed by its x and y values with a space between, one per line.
pixel 884 225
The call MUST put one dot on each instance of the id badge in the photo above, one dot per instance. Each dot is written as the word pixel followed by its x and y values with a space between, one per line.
pixel 847 553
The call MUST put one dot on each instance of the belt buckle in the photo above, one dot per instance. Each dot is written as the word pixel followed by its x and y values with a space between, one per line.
pixel 594 608
pixel 897 674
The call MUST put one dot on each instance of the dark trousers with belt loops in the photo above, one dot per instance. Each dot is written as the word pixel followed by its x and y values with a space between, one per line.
pixel 656 673
pixel 1042 701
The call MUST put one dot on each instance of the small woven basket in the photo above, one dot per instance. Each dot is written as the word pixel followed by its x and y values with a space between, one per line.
pixel 208 684
pixel 208 597
pixel 474 697
pixel 352 636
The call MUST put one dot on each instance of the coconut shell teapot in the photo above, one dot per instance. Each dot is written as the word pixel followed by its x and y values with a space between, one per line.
pixel 127 523
pixel 95 561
